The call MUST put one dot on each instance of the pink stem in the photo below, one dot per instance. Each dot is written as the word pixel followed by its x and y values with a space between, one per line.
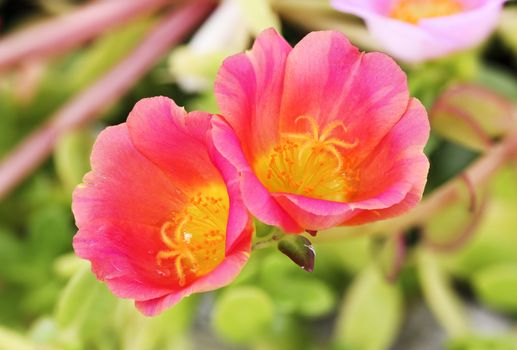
pixel 89 104
pixel 57 35
pixel 464 235
pixel 478 174
pixel 473 198
pixel 400 257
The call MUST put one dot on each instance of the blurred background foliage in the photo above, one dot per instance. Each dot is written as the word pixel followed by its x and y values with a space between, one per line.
pixel 454 287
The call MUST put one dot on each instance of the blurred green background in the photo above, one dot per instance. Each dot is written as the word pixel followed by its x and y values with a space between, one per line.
pixel 454 288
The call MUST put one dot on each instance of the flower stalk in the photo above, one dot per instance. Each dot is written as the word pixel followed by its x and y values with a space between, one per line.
pixel 58 35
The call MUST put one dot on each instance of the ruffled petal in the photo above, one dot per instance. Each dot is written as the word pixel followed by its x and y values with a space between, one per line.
pixel 173 141
pixel 123 256
pixel 412 198
pixel 248 89
pixel 222 275
pixel 329 79
pixel 118 187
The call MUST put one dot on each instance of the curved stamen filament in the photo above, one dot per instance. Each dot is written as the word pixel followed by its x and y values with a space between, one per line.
pixel 310 163
pixel 194 238
pixel 312 123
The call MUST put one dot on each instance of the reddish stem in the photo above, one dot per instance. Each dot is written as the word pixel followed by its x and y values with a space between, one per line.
pixel 463 236
pixel 478 174
pixel 400 257
pixel 57 35
pixel 473 198
pixel 89 104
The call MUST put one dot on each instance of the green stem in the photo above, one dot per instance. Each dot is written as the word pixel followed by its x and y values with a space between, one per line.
pixel 275 237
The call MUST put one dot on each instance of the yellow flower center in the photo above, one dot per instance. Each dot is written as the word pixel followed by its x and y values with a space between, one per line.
pixel 195 238
pixel 310 164
pixel 413 11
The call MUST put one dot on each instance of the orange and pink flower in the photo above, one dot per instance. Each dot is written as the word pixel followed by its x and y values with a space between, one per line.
pixel 155 217
pixel 320 134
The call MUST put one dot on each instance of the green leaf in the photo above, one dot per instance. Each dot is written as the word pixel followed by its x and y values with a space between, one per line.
pixel 294 291
pixel 72 157
pixel 242 315
pixel 85 307
pixel 50 230
pixel 312 297
pixel 496 286
pixel 484 343
pixel 68 265
pixel 352 254
pixel 286 334
pixel 299 249
pixel 371 314
pixel 43 330
pixel 439 295
pixel 10 340
pixel 139 332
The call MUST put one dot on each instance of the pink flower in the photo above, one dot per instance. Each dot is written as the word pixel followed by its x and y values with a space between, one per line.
pixel 155 217
pixel 417 30
pixel 320 134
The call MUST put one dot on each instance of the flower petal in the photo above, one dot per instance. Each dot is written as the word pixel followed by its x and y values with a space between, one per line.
pixel 467 28
pixel 392 159
pixel 328 79
pixel 119 254
pixel 248 89
pixel 118 187
pixel 413 197
pixel 173 141
pixel 224 274
pixel 237 170
pixel 392 179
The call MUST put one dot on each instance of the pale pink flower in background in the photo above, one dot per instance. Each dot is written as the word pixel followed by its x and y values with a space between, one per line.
pixel 419 30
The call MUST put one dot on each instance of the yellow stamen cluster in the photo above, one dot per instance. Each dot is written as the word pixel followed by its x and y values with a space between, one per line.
pixel 195 237
pixel 413 11
pixel 310 163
